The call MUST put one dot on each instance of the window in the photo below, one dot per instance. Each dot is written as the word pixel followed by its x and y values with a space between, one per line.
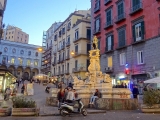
pixel 121 37
pixel 88 33
pixel 60 33
pixel 12 36
pixel 36 54
pixel 68 67
pixel 60 45
pixel 4 59
pixel 13 50
pixel 76 48
pixel 135 5
pixel 5 49
pixel 9 37
pixel 97 24
pixel 22 52
pixel 69 26
pixel 108 17
pixel 110 61
pixel 28 62
pixel 12 60
pixel 120 8
pixel 140 58
pixel 36 63
pixel 17 37
pixel 109 43
pixel 97 6
pixel 122 59
pixel 138 31
pixel 29 53
pixel 20 61
pixel 63 30
pixel 76 63
pixel 76 35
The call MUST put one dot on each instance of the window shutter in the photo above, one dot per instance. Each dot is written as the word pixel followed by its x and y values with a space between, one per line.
pixel 143 29
pixel 106 43
pixel 133 33
pixel 123 38
pixel 99 24
pixel 112 40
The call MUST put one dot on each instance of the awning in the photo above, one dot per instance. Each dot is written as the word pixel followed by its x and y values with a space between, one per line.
pixel 153 80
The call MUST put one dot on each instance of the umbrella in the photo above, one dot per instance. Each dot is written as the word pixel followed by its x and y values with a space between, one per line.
pixel 153 80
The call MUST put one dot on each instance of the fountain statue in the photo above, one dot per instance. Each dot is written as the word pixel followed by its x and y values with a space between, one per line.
pixel 97 80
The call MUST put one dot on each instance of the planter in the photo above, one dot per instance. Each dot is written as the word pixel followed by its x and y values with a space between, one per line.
pixel 5 111
pixel 25 112
pixel 154 109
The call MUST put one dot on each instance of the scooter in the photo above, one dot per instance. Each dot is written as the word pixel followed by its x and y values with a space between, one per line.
pixel 47 89
pixel 68 108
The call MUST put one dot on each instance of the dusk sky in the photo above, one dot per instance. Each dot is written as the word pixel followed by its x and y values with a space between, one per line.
pixel 34 16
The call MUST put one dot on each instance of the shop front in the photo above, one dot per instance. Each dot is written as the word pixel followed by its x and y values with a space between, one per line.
pixel 6 80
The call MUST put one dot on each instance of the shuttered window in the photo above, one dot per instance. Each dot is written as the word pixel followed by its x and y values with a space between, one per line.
pixel 121 37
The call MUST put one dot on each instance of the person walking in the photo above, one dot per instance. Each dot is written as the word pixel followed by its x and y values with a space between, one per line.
pixel 60 97
pixel 23 89
pixel 135 92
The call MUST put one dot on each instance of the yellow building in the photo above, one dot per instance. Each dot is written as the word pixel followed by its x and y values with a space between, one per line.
pixel 71 45
pixel 15 34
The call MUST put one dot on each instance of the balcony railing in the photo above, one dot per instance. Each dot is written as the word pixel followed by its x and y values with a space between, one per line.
pixel 67 44
pixel 80 69
pixel 121 45
pixel 54 52
pixel 66 71
pixel 96 9
pixel 68 28
pixel 78 53
pixel 138 40
pixel 54 63
pixel 120 17
pixel 108 24
pixel 96 30
pixel 62 47
pixel 136 8
pixel 82 37
pixel 107 1
pixel 109 48
pixel 67 57
pixel 62 60
pixel 59 49
pixel 58 61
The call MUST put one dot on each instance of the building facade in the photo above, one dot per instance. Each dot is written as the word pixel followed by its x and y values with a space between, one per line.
pixel 15 34
pixel 22 60
pixel 128 31
pixel 48 38
pixel 71 45
pixel 2 9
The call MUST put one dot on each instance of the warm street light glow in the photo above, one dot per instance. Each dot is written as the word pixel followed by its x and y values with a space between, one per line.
pixel 45 61
pixel 40 49
pixel 72 53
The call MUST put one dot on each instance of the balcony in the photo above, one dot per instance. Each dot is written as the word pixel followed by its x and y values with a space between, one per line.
pixel 54 63
pixel 79 53
pixel 59 49
pixel 55 38
pixel 80 69
pixel 54 52
pixel 120 17
pixel 96 9
pixel 108 24
pixel 68 44
pixel 121 45
pixel 68 28
pixel 97 30
pixel 82 37
pixel 66 72
pixel 138 40
pixel 67 57
pixel 109 48
pixel 62 72
pixel 62 60
pixel 58 61
pixel 107 1
pixel 108 70
pixel 136 8
pixel 62 47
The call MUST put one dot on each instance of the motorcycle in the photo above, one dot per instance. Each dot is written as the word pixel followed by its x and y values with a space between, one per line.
pixel 68 108
pixel 47 89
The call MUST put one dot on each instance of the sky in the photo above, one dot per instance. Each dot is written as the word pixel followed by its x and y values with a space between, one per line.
pixel 36 16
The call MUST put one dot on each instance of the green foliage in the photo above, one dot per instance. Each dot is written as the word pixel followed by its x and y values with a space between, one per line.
pixel 22 102
pixel 151 97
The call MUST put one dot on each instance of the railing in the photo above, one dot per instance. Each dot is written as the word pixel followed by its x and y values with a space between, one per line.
pixel 136 8
pixel 67 44
pixel 55 51
pixel 66 71
pixel 80 69
pixel 120 17
pixel 108 70
pixel 138 40
pixel 109 48
pixel 58 61
pixel 96 30
pixel 82 36
pixel 67 57
pixel 62 59
pixel 54 63
pixel 68 28
pixel 108 24
pixel 97 8
pixel 62 47
pixel 62 72
pixel 59 49
pixel 107 1
pixel 82 52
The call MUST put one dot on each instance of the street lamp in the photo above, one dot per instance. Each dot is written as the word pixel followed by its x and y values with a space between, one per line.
pixel 40 49
pixel 72 53
pixel 45 61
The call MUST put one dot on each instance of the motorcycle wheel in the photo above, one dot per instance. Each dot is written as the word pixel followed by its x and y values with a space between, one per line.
pixel 84 112
pixel 62 113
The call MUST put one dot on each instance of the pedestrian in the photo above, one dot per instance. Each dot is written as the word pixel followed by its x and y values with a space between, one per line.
pixel 23 89
pixel 96 94
pixel 135 92
pixel 70 95
pixel 60 97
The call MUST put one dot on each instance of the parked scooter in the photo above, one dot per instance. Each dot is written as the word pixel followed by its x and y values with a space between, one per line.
pixel 68 108
pixel 47 89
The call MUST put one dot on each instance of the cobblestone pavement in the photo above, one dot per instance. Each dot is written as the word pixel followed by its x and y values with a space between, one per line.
pixel 111 115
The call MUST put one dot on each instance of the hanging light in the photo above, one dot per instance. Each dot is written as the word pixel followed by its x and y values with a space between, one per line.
pixel 72 53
